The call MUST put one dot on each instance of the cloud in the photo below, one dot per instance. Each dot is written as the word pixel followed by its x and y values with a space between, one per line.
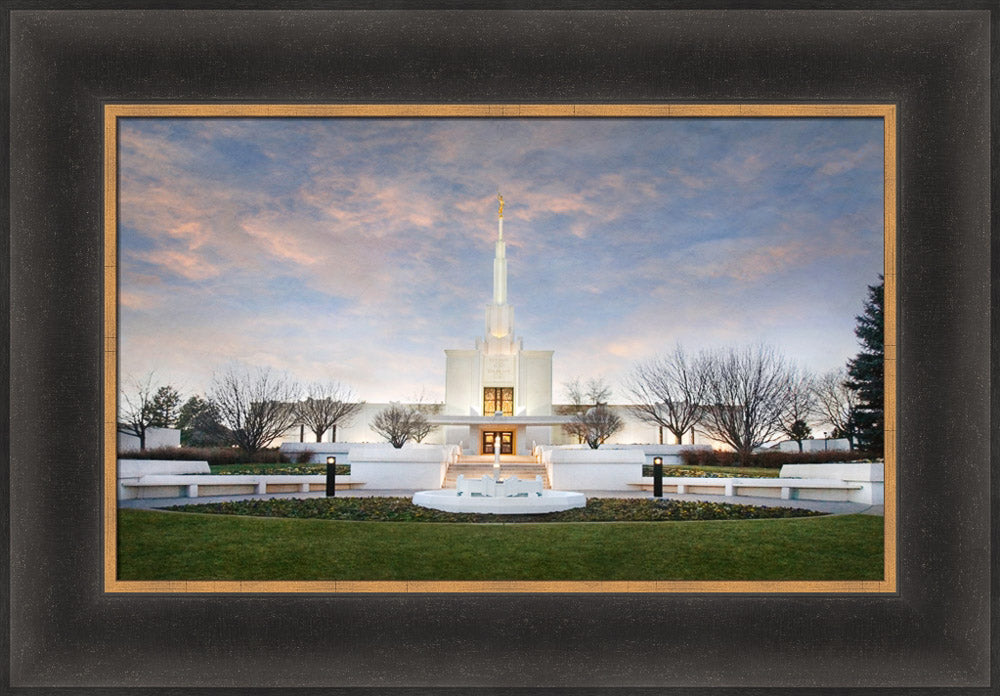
pixel 364 248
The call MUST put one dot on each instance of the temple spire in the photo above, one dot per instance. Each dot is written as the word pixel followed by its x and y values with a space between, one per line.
pixel 499 314
pixel 500 262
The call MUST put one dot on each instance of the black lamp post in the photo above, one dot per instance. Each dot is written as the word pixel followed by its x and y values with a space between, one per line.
pixel 331 476
pixel 657 477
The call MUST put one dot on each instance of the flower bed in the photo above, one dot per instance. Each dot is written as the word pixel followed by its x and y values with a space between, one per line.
pixel 671 471
pixel 294 469
pixel 403 510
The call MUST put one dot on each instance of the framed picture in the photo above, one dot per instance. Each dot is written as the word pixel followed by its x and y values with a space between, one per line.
pixel 391 191
pixel 72 626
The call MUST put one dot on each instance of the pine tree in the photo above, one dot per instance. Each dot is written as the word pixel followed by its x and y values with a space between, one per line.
pixel 165 407
pixel 866 371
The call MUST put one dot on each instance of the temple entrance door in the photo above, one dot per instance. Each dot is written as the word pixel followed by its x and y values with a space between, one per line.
pixel 504 439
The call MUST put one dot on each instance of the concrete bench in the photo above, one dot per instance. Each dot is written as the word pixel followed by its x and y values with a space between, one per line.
pixel 818 489
pixel 195 485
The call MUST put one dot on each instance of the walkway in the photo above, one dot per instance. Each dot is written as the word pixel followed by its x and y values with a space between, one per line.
pixel 837 508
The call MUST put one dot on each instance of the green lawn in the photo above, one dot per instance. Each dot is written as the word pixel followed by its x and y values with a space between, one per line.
pixel 155 545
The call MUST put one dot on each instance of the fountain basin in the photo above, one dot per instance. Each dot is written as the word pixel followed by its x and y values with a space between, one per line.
pixel 448 500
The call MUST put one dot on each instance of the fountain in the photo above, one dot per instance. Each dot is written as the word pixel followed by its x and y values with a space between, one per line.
pixel 491 494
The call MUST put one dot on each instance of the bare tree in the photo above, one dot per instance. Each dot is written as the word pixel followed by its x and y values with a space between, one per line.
pixel 399 423
pixel 593 421
pixel 838 403
pixel 327 405
pixel 422 426
pixel 668 391
pixel 746 390
pixel 257 406
pixel 597 424
pixel 800 407
pixel 136 408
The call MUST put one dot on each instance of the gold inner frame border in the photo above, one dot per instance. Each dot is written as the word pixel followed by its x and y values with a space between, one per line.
pixel 113 112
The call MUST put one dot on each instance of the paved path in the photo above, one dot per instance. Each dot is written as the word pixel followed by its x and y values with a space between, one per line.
pixel 818 505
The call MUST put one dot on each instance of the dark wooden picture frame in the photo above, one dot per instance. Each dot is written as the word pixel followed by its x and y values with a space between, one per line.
pixel 64 630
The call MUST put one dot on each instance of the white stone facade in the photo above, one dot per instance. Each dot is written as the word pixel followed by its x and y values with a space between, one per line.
pixel 155 437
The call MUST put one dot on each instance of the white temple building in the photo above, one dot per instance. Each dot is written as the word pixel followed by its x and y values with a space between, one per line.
pixel 497 394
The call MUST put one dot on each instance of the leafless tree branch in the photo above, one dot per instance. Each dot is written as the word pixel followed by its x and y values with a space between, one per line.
pixel 326 406
pixel 746 394
pixel 256 405
pixel 668 391
pixel 838 403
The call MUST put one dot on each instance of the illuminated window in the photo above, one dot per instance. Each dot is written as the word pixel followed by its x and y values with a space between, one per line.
pixel 498 399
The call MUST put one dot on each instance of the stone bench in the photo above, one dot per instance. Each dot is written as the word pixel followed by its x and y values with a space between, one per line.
pixel 487 486
pixel 819 489
pixel 195 485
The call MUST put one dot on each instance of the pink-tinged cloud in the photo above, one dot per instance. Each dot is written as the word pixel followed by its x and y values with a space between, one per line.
pixel 759 262
pixel 189 265
pixel 360 250
pixel 276 244
pixel 193 234
pixel 130 299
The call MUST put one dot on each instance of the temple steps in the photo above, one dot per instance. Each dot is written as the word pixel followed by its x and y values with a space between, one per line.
pixel 475 466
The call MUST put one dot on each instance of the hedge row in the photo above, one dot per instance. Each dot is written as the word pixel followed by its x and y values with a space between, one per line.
pixel 768 460
pixel 213 455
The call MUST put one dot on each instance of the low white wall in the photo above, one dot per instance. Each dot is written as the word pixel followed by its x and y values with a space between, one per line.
pixel 155 437
pixel 671 453
pixel 144 467
pixel 870 475
pixel 575 469
pixel 319 451
pixel 418 467
pixel 840 444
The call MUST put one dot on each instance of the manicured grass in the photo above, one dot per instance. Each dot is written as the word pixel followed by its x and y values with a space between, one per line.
pixel 156 545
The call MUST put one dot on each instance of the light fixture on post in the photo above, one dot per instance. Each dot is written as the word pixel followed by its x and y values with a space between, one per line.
pixel 331 477
pixel 657 477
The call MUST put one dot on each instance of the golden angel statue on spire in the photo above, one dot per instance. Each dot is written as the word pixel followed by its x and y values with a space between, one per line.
pixel 500 198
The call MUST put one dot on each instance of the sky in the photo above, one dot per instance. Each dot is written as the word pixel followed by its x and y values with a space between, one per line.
pixel 358 250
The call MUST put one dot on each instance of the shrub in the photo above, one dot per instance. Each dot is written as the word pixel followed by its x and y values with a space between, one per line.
pixel 303 457
pixel 771 459
pixel 213 455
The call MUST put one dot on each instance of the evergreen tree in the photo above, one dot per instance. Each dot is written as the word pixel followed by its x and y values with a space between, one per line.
pixel 165 407
pixel 866 371
pixel 199 424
